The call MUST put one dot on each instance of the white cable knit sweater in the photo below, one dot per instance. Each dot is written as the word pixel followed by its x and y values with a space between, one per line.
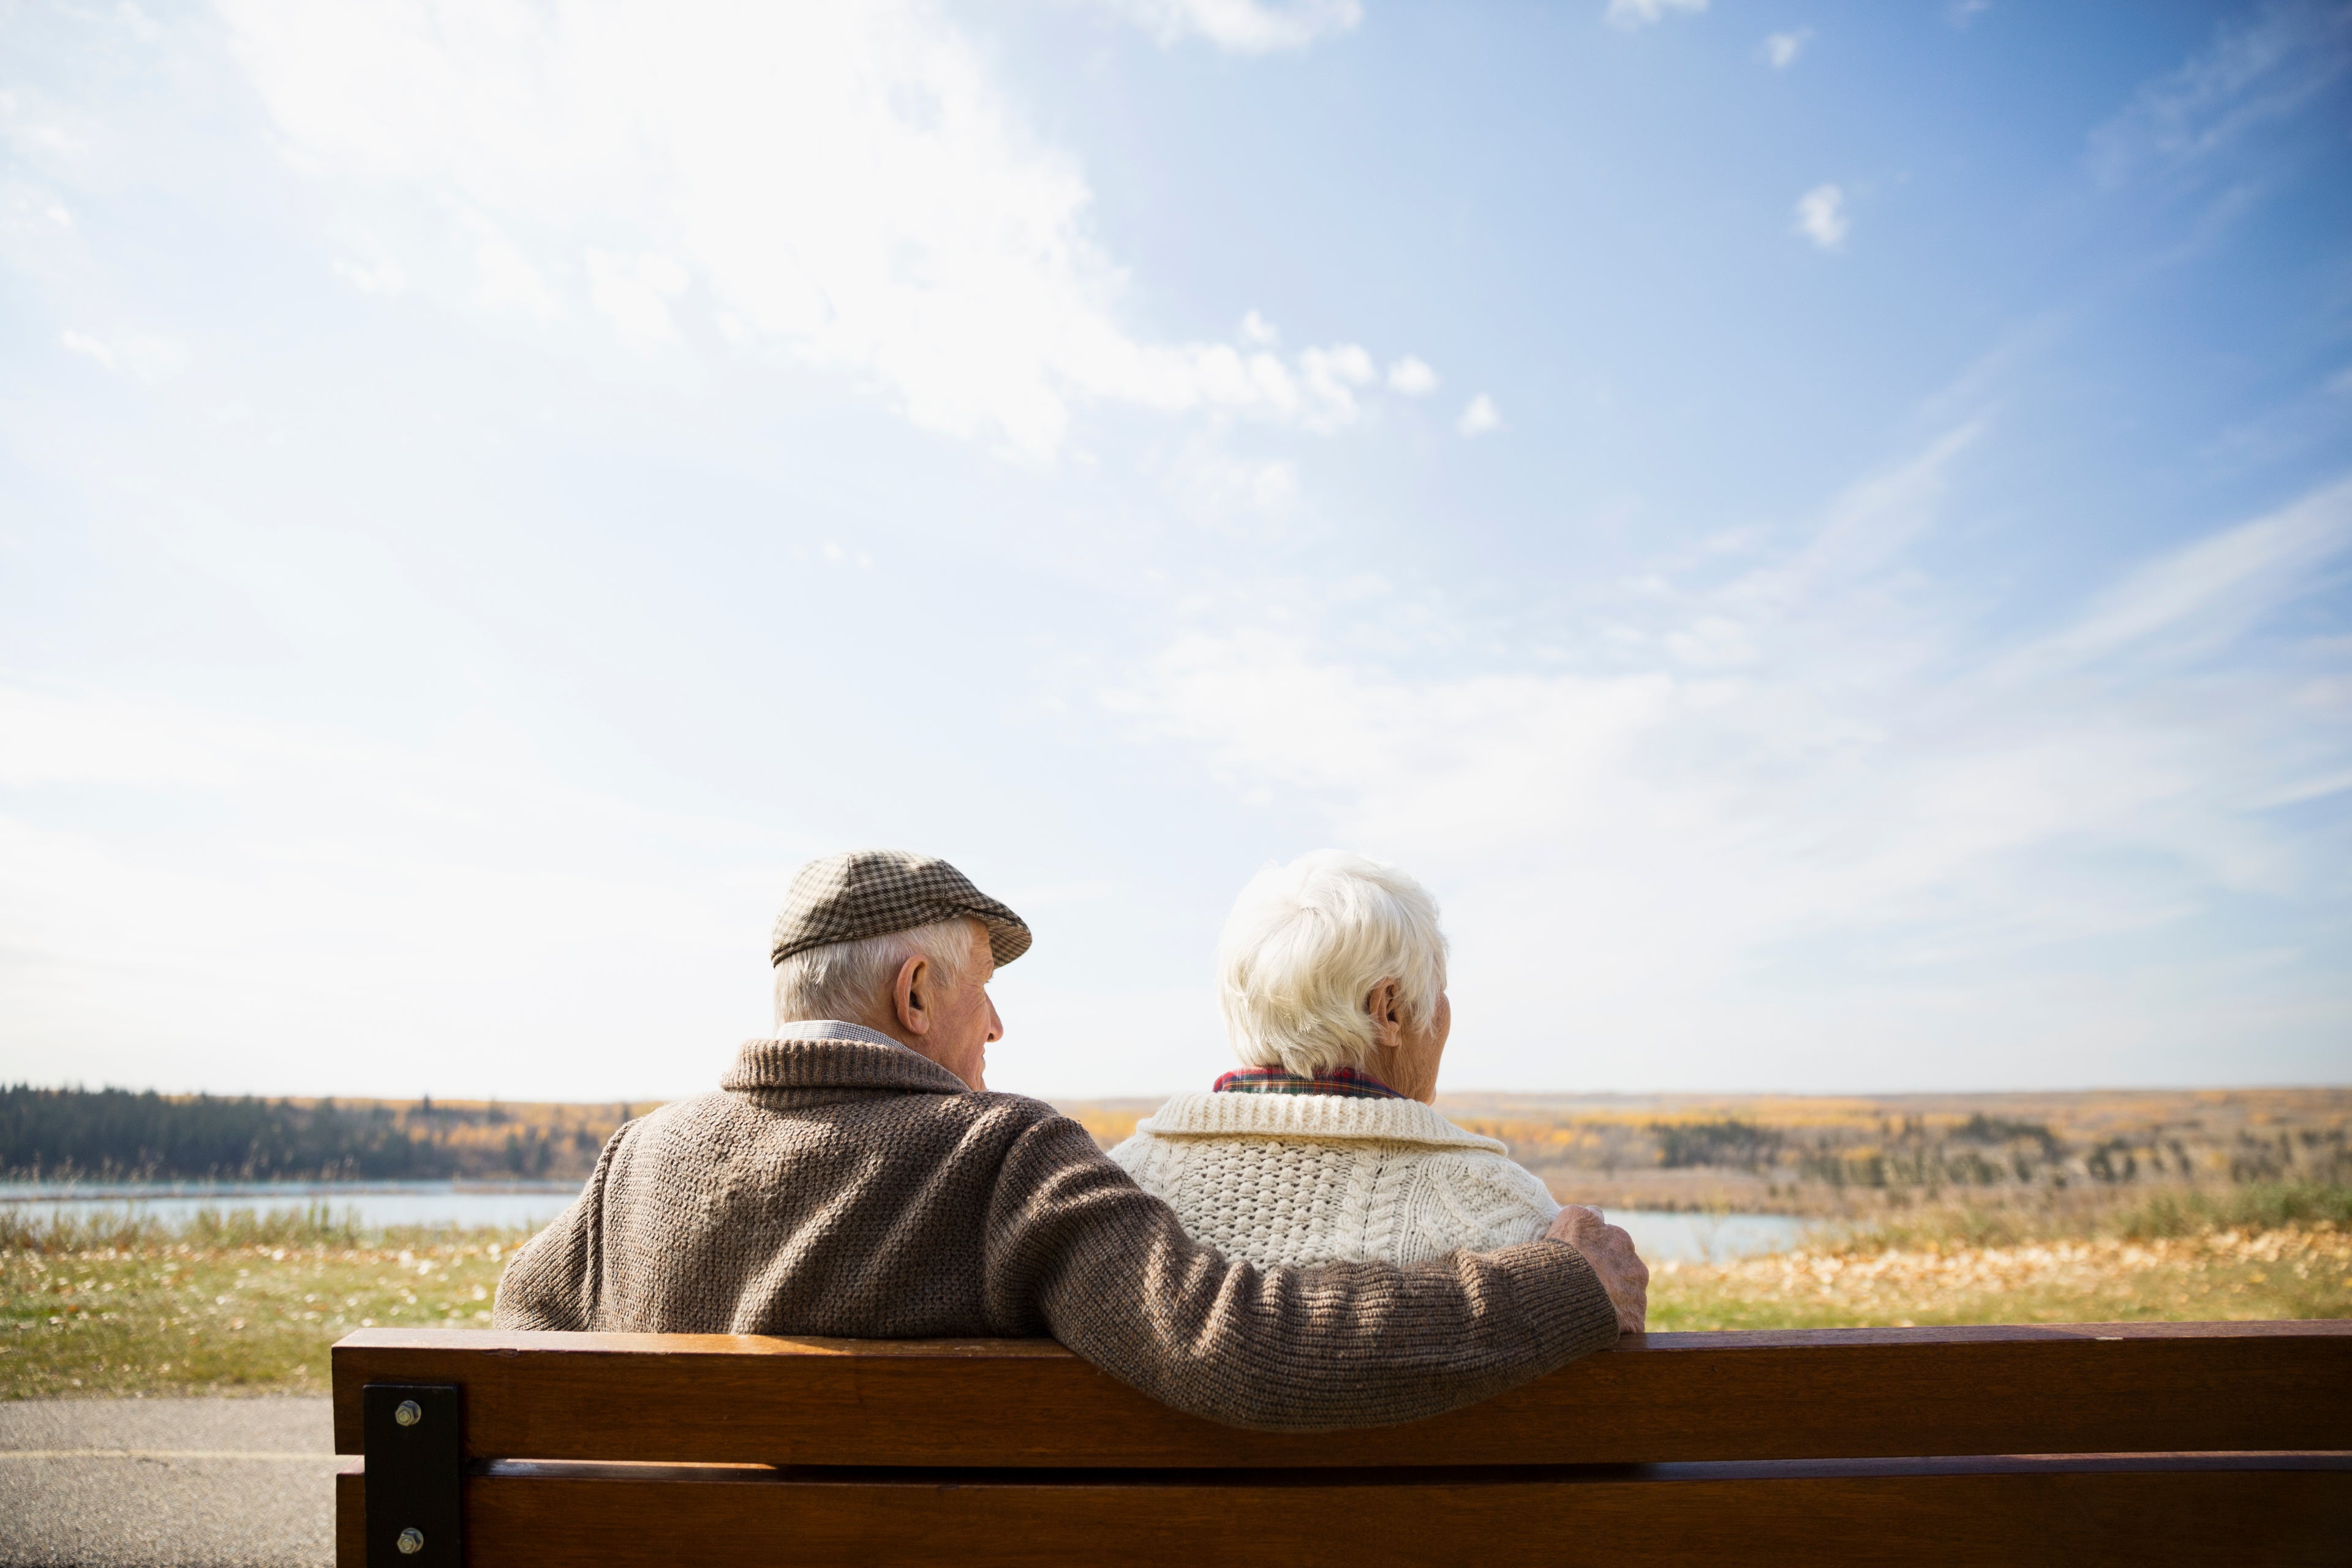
pixel 1299 1179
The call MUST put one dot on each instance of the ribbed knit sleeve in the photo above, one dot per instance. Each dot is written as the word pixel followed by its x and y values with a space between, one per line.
pixel 1113 1276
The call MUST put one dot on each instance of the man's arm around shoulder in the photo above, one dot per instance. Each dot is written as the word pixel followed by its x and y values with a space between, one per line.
pixel 1109 1268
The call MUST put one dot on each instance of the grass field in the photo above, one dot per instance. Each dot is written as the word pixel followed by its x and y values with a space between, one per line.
pixel 247 1305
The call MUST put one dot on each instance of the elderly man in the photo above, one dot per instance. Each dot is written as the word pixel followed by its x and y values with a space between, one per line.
pixel 854 1178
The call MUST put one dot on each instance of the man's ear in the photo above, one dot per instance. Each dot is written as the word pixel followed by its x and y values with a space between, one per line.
pixel 908 995
pixel 1387 1022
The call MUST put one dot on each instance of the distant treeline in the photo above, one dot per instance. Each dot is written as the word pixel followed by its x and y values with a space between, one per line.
pixel 1985 1151
pixel 124 1135
pixel 1847 1155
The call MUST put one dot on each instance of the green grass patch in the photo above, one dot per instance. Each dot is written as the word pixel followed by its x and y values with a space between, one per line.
pixel 2259 1207
pixel 230 1303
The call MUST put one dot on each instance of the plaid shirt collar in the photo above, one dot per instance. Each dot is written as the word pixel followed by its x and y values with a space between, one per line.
pixel 1345 1082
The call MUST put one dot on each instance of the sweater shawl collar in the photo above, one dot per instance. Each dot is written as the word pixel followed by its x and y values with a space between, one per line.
pixel 1311 1116
pixel 827 1056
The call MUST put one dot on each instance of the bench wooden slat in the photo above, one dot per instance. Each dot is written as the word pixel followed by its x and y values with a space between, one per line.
pixel 2009 1513
pixel 2079 1388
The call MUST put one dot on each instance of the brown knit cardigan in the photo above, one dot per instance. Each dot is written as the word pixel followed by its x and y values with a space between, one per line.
pixel 851 1188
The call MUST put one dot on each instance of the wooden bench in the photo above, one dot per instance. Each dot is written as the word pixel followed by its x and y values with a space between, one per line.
pixel 2206 1443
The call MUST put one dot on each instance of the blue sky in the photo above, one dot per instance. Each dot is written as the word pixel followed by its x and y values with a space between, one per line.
pixel 1819 530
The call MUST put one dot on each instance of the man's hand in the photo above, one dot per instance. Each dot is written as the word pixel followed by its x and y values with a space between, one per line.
pixel 1610 1252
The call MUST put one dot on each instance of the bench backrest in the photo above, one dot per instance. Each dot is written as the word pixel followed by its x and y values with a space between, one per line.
pixel 558 1430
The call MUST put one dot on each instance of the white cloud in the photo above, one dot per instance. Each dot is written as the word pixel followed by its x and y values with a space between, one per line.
pixel 1821 217
pixel 1782 49
pixel 381 276
pixel 843 182
pixel 635 292
pixel 1412 377
pixel 1242 26
pixel 90 348
pixel 1738 811
pixel 1331 377
pixel 137 23
pixel 1258 332
pixel 504 278
pixel 1632 13
pixel 1479 416
pixel 140 356
pixel 1960 13
pixel 1219 488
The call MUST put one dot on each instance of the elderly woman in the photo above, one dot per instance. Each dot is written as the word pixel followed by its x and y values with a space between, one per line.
pixel 1323 1148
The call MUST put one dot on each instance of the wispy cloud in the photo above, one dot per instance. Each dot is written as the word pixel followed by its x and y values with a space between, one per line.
pixel 379 275
pixel 842 183
pixel 2210 593
pixel 90 348
pixel 1782 49
pixel 1821 217
pixel 635 293
pixel 1217 487
pixel 1479 416
pixel 1815 771
pixel 1633 14
pixel 143 356
pixel 1240 26
pixel 2257 71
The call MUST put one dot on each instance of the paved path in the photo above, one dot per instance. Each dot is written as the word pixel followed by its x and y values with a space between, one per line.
pixel 166 1483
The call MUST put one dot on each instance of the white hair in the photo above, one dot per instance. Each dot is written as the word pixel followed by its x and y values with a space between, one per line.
pixel 851 981
pixel 1304 947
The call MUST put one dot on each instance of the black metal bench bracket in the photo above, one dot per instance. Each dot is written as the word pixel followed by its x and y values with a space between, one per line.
pixel 414 1435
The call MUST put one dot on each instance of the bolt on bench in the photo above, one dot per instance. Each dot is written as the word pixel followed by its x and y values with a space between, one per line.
pixel 2151 1443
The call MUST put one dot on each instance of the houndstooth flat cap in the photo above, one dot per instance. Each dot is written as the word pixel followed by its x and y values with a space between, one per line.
pixel 871 892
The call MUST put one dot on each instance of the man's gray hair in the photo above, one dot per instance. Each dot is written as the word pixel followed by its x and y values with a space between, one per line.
pixel 851 981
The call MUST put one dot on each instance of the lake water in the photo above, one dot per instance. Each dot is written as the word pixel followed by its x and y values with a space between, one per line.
pixel 1659 1237
pixel 507 1205
pixel 1662 1238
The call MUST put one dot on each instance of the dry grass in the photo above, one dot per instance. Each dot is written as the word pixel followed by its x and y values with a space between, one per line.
pixel 2262 1250
pixel 2289 1272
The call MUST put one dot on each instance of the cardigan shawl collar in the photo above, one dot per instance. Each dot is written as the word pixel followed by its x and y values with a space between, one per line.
pixel 836 1059
pixel 1311 1116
